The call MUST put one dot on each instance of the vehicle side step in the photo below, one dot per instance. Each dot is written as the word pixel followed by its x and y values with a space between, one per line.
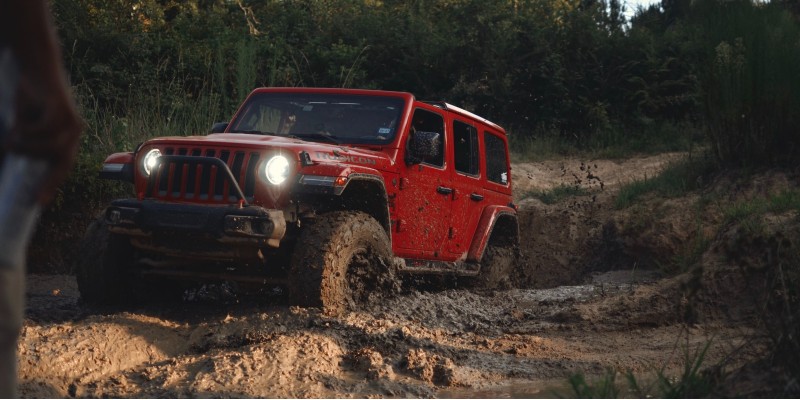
pixel 414 266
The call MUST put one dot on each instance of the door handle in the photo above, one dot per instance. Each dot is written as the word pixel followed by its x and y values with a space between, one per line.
pixel 444 190
pixel 476 197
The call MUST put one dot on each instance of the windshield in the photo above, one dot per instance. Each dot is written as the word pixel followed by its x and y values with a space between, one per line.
pixel 332 118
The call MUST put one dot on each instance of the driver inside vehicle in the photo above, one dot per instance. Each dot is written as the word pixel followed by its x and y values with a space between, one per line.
pixel 289 119
pixel 322 129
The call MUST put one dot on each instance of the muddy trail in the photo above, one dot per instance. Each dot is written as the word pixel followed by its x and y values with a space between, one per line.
pixel 586 311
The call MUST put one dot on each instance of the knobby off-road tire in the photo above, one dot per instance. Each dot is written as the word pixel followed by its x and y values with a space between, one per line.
pixel 499 267
pixel 102 267
pixel 341 260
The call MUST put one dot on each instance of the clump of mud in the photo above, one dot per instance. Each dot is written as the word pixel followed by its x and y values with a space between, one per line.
pixel 430 368
pixel 371 362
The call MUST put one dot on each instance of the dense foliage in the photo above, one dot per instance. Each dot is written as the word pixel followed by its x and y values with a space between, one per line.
pixel 573 70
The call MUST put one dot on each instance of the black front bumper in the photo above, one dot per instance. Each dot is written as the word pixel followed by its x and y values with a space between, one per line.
pixel 226 225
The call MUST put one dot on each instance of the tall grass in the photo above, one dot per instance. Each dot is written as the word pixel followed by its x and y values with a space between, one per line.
pixel 612 143
pixel 752 82
pixel 121 127
pixel 246 67
pixel 691 382
pixel 538 147
pixel 145 116
pixel 749 213
pixel 113 126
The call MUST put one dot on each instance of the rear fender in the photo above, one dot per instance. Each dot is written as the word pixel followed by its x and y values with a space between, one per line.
pixel 507 218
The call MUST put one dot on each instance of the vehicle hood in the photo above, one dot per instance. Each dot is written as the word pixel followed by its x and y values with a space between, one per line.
pixel 321 153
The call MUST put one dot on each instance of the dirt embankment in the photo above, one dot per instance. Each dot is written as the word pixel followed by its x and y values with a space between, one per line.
pixel 590 308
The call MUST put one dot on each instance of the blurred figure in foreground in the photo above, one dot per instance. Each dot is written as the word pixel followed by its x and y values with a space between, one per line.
pixel 39 132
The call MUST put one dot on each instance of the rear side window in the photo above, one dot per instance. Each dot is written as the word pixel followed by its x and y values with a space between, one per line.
pixel 496 159
pixel 465 143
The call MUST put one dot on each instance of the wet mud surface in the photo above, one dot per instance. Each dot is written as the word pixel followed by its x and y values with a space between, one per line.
pixel 577 315
pixel 449 343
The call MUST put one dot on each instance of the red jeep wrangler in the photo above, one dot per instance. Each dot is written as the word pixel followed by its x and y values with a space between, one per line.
pixel 330 192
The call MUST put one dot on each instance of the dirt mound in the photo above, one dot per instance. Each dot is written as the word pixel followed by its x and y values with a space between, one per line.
pixel 564 242
pixel 717 240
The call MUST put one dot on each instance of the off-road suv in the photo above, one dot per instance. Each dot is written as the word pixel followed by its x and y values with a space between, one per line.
pixel 329 192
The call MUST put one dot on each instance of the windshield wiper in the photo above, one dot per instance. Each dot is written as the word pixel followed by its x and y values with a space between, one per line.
pixel 251 131
pixel 324 137
pixel 303 136
pixel 256 132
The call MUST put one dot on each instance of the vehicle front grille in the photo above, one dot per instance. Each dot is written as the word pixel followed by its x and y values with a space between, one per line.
pixel 197 181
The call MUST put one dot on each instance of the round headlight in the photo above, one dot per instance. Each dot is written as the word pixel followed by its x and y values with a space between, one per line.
pixel 149 161
pixel 277 170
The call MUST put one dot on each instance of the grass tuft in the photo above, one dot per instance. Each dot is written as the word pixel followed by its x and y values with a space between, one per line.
pixel 603 388
pixel 557 193
pixel 693 382
pixel 540 147
pixel 676 180
pixel 743 211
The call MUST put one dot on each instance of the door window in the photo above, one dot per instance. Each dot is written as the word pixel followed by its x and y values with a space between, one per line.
pixel 426 121
pixel 465 144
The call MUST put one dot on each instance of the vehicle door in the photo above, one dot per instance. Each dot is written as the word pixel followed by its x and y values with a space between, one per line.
pixel 468 199
pixel 423 203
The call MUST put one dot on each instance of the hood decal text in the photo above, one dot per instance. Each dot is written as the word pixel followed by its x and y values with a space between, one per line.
pixel 353 159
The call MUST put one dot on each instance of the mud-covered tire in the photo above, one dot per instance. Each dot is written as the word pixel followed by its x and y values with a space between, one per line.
pixel 101 270
pixel 342 259
pixel 498 268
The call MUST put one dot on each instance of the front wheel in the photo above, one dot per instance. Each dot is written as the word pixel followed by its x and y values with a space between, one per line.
pixel 102 271
pixel 341 259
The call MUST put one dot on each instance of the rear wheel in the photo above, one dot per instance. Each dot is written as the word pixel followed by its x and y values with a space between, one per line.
pixel 342 259
pixel 103 269
pixel 498 268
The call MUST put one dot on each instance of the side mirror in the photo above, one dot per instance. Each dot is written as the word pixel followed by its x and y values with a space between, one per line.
pixel 423 146
pixel 219 127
